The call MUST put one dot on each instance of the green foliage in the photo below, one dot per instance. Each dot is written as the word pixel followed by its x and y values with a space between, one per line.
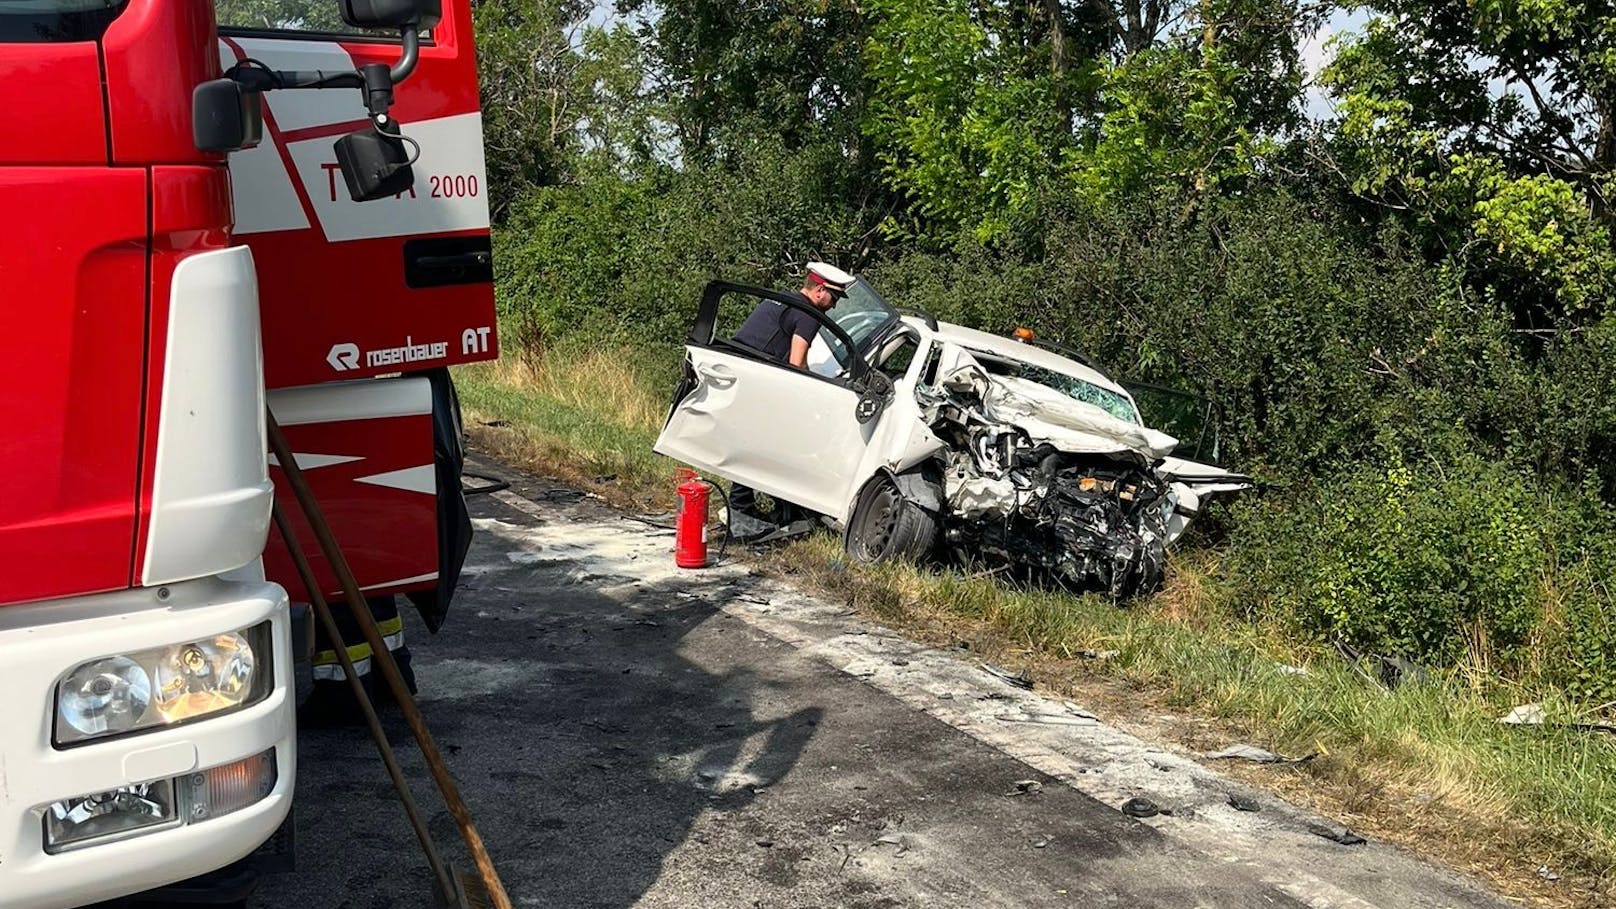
pixel 626 260
pixel 1402 320
pixel 528 74
pixel 983 117
pixel 1484 124
pixel 1263 305
pixel 300 15
pixel 790 64
pixel 1413 561
pixel 1466 561
pixel 1541 226
pixel 960 126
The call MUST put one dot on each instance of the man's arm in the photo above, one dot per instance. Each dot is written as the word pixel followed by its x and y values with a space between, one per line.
pixel 803 328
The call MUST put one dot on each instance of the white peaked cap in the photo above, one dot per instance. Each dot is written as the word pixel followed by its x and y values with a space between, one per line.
pixel 830 274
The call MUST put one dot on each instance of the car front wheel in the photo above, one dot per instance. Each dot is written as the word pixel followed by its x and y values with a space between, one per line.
pixel 886 526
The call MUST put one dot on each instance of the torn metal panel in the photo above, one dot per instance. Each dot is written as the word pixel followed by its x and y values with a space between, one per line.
pixel 1051 484
pixel 1046 415
pixel 975 497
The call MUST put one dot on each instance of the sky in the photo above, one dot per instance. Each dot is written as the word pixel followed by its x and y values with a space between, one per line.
pixel 1316 53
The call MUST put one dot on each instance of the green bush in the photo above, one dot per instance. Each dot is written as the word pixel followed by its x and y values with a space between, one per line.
pixel 624 260
pixel 1467 562
pixel 1578 640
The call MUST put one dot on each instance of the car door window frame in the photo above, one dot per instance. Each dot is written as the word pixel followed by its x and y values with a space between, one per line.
pixel 1208 418
pixel 703 333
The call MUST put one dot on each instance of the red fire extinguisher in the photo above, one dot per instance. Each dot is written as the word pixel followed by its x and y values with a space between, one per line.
pixel 690 525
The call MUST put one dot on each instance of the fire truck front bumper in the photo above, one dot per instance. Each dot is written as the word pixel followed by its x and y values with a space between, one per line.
pixel 146 737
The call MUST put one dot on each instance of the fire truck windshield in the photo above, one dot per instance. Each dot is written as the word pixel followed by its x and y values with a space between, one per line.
pixel 35 21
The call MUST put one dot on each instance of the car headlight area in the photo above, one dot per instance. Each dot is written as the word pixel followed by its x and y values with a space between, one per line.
pixel 163 686
pixel 101 817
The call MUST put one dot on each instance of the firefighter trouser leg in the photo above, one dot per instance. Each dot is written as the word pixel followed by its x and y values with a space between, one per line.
pixel 332 701
pixel 326 666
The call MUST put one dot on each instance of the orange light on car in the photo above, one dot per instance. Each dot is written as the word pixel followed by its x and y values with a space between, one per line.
pixel 1024 335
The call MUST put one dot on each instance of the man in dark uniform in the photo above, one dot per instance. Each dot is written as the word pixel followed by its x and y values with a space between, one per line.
pixel 784 333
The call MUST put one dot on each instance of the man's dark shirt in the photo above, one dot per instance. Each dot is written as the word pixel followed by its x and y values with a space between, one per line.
pixel 772 325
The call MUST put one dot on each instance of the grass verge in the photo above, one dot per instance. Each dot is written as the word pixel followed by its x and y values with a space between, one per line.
pixel 1426 765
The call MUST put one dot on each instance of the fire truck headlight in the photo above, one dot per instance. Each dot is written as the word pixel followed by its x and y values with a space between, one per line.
pixel 104 697
pixel 203 677
pixel 103 816
pixel 164 686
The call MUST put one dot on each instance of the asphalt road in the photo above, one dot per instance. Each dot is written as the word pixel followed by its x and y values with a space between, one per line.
pixel 632 735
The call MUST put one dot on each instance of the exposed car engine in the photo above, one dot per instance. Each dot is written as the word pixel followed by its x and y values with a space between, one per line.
pixel 1092 520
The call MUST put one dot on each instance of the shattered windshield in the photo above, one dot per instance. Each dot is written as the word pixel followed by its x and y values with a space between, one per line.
pixel 1114 403
pixel 861 312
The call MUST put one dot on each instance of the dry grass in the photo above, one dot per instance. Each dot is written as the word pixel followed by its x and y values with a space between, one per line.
pixel 588 419
pixel 1425 766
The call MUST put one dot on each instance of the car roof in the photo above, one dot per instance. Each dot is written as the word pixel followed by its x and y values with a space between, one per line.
pixel 1011 349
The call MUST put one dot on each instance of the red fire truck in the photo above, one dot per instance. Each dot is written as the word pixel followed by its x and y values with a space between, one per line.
pixel 183 245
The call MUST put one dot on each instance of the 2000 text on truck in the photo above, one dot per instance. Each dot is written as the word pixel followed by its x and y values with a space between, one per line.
pixel 182 245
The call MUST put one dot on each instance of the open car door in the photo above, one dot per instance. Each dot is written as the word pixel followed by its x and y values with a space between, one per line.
pixel 741 415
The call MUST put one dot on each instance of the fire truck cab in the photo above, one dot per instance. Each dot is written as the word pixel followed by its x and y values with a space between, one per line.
pixel 184 246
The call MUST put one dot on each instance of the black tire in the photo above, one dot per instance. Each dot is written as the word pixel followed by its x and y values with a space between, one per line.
pixel 887 527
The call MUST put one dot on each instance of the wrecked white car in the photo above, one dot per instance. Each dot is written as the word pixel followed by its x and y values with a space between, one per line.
pixel 916 437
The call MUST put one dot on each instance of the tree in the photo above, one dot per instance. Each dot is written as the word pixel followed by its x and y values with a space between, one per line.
pixel 792 66
pixel 986 112
pixel 1491 124
pixel 528 72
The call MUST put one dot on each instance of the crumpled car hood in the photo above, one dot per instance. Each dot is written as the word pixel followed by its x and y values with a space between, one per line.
pixel 1046 415
pixel 1068 424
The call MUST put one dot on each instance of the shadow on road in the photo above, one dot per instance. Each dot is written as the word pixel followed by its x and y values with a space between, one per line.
pixel 583 736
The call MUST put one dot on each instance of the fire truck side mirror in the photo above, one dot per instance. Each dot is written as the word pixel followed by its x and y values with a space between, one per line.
pixel 392 13
pixel 225 116
pixel 374 164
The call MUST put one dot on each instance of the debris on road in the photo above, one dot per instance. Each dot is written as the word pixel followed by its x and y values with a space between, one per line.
pixel 1243 803
pixel 1026 787
pixel 1140 807
pixel 1337 835
pixel 1047 719
pixel 1256 755
pixel 1019 679
pixel 892 839
pixel 1075 710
